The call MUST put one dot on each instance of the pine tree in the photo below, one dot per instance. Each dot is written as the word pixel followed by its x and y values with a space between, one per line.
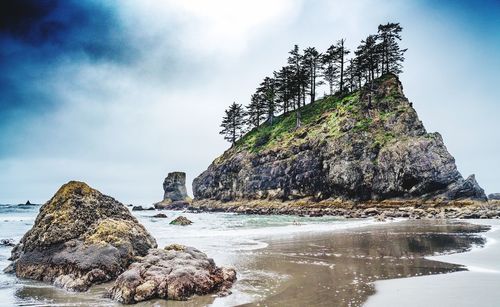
pixel 312 65
pixel 268 91
pixel 255 110
pixel 330 71
pixel 391 54
pixel 233 123
pixel 284 88
pixel 341 53
pixel 299 80
pixel 368 58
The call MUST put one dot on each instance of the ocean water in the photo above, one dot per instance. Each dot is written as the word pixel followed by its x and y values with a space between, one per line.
pixel 226 237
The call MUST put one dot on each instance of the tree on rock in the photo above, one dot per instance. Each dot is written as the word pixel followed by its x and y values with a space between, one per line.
pixel 233 123
pixel 312 64
pixel 392 55
pixel 256 110
pixel 268 91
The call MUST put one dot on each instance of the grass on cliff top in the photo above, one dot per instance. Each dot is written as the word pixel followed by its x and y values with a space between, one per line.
pixel 326 118
pixel 283 131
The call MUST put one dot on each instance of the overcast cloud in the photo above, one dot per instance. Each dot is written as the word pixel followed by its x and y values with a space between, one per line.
pixel 118 95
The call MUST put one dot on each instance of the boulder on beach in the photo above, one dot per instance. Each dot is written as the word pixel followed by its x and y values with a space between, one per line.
pixel 181 220
pixel 80 237
pixel 175 273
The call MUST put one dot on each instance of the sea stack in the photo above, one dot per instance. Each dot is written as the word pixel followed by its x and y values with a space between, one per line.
pixel 175 193
pixel 80 237
pixel 365 146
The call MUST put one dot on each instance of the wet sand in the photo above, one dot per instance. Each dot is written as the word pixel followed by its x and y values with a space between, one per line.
pixel 338 269
pixel 310 268
pixel 478 286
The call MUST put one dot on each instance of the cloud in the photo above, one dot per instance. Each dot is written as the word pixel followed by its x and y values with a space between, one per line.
pixel 120 93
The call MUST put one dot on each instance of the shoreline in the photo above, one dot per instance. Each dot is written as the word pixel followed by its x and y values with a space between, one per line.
pixel 413 209
pixel 312 262
pixel 480 277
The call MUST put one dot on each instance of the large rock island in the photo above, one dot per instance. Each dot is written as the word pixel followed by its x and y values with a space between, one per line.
pixel 365 146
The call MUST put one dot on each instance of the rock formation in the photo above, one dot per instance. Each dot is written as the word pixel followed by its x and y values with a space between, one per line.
pixel 160 216
pixel 7 242
pixel 80 237
pixel 347 148
pixel 181 220
pixel 494 196
pixel 175 193
pixel 175 273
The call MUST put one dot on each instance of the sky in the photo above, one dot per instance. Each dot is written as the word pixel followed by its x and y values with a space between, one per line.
pixel 119 93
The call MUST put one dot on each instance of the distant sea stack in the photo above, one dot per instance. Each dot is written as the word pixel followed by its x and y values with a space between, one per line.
pixel 368 145
pixel 80 237
pixel 175 193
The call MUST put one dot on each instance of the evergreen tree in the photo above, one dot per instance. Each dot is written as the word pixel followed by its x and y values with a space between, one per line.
pixel 341 53
pixel 233 123
pixel 312 66
pixel 284 88
pixel 367 58
pixel 256 110
pixel 391 54
pixel 268 91
pixel 330 71
pixel 299 80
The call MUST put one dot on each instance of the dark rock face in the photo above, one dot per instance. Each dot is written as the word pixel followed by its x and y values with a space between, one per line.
pixel 175 273
pixel 160 216
pixel 174 187
pixel 494 196
pixel 357 151
pixel 7 242
pixel 80 237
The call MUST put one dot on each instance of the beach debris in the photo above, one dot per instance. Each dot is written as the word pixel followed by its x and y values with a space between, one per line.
pixel 175 272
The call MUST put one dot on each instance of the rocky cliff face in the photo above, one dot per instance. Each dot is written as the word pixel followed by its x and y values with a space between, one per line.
pixel 80 237
pixel 174 187
pixel 350 147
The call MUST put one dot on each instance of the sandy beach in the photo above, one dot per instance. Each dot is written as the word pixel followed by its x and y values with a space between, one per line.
pixel 299 261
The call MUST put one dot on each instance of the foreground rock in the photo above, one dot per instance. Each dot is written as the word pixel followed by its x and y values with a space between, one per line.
pixel 80 237
pixel 353 148
pixel 181 220
pixel 175 273
pixel 175 193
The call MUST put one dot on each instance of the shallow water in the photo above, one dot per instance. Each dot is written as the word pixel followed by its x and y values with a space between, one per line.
pixel 280 260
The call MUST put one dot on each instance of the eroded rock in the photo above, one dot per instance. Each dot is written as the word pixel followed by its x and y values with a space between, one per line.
pixel 80 237
pixel 175 273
